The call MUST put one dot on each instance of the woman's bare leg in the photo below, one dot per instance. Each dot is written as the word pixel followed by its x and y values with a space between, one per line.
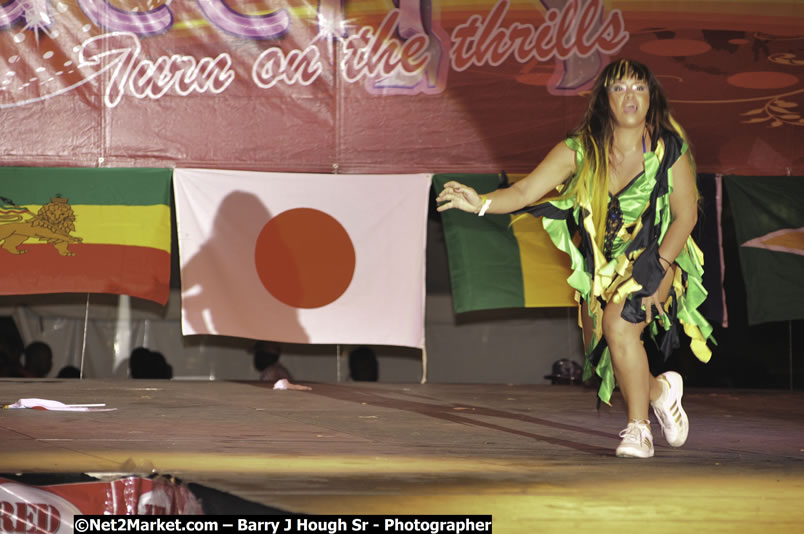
pixel 629 359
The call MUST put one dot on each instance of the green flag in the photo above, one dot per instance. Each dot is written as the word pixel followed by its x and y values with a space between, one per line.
pixel 768 214
pixel 501 261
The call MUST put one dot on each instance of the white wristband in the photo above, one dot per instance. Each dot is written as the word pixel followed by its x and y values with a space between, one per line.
pixel 486 205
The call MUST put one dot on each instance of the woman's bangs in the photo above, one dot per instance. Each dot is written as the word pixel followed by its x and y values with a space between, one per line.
pixel 624 68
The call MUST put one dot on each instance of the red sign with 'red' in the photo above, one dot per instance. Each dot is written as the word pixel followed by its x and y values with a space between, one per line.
pixel 49 509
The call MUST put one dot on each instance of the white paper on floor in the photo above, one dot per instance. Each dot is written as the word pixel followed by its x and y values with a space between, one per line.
pixel 56 406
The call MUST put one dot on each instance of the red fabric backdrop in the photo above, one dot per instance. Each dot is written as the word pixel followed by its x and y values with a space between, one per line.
pixel 382 86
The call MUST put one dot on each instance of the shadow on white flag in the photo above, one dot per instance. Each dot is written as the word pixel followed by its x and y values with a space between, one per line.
pixel 303 258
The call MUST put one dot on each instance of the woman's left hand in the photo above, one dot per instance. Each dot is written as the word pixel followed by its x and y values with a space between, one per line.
pixel 648 303
pixel 462 197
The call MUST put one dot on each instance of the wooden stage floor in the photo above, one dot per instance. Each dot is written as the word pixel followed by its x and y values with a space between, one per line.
pixel 538 458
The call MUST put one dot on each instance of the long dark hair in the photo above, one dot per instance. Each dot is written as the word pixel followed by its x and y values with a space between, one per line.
pixel 595 133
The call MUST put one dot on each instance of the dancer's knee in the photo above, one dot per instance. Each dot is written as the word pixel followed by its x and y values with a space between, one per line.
pixel 618 331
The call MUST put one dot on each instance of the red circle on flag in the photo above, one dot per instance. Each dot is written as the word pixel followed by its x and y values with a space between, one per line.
pixel 305 258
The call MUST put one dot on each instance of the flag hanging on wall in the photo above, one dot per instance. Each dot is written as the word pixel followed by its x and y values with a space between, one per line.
pixel 303 258
pixel 85 230
pixel 769 223
pixel 496 264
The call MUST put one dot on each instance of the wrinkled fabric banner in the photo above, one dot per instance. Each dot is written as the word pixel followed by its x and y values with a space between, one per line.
pixel 53 507
pixel 381 86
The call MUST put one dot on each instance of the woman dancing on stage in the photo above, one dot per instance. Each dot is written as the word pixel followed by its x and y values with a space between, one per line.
pixel 625 180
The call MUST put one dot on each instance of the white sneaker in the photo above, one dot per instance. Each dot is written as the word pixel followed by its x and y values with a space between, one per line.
pixel 637 441
pixel 668 410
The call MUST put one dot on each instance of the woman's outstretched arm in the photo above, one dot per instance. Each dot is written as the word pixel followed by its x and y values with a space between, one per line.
pixel 554 169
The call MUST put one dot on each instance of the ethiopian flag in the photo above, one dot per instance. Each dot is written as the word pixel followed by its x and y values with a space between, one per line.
pixel 77 230
pixel 496 264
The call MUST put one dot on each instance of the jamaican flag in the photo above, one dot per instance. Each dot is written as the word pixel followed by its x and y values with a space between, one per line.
pixel 769 223
pixel 496 264
pixel 77 230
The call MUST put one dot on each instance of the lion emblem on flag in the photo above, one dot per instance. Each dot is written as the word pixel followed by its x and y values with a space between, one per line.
pixel 52 223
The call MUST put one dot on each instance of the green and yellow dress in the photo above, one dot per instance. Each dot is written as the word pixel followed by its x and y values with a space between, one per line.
pixel 628 267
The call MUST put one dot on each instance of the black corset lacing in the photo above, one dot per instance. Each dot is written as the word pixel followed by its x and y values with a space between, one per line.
pixel 614 221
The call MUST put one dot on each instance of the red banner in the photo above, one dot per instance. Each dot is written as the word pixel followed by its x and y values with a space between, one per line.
pixel 381 85
pixel 50 509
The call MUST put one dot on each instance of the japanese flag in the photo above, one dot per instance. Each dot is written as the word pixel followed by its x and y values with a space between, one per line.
pixel 303 258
